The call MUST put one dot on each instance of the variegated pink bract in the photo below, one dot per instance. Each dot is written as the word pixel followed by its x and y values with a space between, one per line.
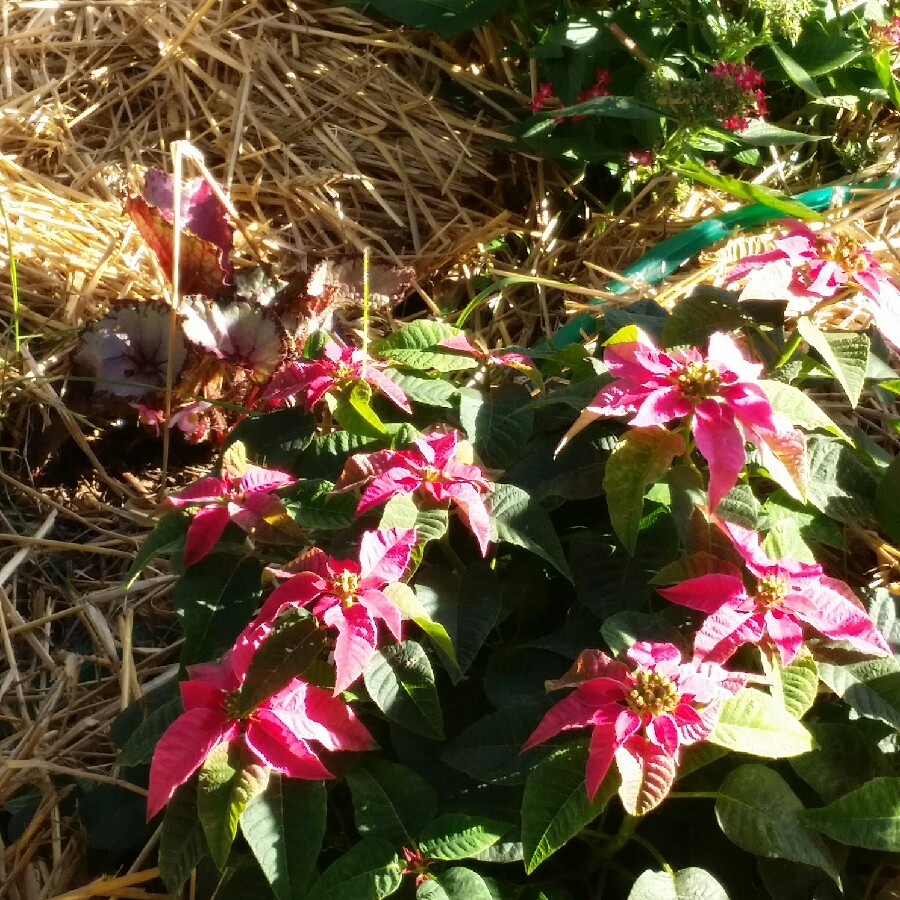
pixel 789 594
pixel 719 391
pixel 432 470
pixel 821 266
pixel 279 733
pixel 346 595
pixel 338 369
pixel 641 715
pixel 244 497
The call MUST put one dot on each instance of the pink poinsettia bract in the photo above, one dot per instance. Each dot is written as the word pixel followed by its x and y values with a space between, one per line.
pixel 242 495
pixel 719 392
pixel 346 595
pixel 338 369
pixel 641 714
pixel 812 266
pixel 789 595
pixel 432 471
pixel 280 733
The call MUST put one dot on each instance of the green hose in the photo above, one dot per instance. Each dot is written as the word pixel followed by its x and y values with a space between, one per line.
pixel 673 252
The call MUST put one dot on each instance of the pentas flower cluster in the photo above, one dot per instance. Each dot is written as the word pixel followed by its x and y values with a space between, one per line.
pixel 545 96
pixel 281 733
pixel 338 370
pixel 244 494
pixel 641 715
pixel 346 595
pixel 811 266
pixel 743 94
pixel 433 471
pixel 787 596
pixel 717 393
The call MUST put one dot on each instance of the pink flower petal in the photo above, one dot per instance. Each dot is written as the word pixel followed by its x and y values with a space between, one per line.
pixel 386 485
pixel 661 730
pixel 724 631
pixel 380 606
pixel 389 388
pixel 181 751
pixel 833 615
pixel 707 593
pixel 204 531
pixel 606 738
pixel 206 490
pixel 591 664
pixel 660 407
pixel 384 555
pixel 273 745
pixel 355 643
pixel 257 478
pixel 719 440
pixel 786 633
pixel 579 709
pixel 474 513
pixel 749 263
pixel 648 773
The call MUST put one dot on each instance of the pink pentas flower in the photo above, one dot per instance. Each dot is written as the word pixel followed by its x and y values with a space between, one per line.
pixel 346 595
pixel 788 596
pixel 820 266
pixel 432 471
pixel 339 369
pixel 243 495
pixel 718 391
pixel 742 94
pixel 642 713
pixel 283 733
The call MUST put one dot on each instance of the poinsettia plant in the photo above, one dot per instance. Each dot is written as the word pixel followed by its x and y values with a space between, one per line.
pixel 479 623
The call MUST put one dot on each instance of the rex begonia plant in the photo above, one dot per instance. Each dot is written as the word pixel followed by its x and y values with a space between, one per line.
pixel 718 392
pixel 347 595
pixel 433 470
pixel 641 715
pixel 788 595
pixel 279 733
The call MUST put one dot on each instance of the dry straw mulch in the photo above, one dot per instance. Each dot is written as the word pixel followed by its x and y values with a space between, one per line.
pixel 323 127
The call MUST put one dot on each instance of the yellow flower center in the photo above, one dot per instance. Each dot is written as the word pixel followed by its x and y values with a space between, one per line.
pixel 770 591
pixel 430 473
pixel 652 694
pixel 698 380
pixel 346 586
pixel 844 251
pixel 231 703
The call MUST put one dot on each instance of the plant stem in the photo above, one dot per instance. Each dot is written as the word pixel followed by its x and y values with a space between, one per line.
pixel 626 830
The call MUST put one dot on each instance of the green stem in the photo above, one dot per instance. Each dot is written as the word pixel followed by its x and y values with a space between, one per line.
pixel 694 795
pixel 788 351
pixel 626 830
pixel 661 862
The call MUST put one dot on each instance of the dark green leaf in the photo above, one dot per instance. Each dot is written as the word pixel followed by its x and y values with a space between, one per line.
pixel 276 437
pixel 847 355
pixel 400 681
pixel 468 605
pixel 517 519
pixel 284 827
pixel 839 484
pixel 457 883
pixel 291 648
pixel 416 346
pixel 754 722
pixel 796 72
pixel 871 687
pixel 225 787
pixel 138 749
pixel 182 844
pixel 555 806
pixel 214 600
pixel 705 310
pixel 167 536
pixel 887 507
pixel 759 812
pixel 311 504
pixel 420 389
pixel 867 817
pixel 499 424
pixel 460 836
pixel 369 870
pixel 390 801
pixel 640 459
pixel 450 18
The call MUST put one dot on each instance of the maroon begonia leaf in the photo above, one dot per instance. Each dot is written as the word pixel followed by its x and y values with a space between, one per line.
pixel 127 351
pixel 207 236
pixel 238 333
